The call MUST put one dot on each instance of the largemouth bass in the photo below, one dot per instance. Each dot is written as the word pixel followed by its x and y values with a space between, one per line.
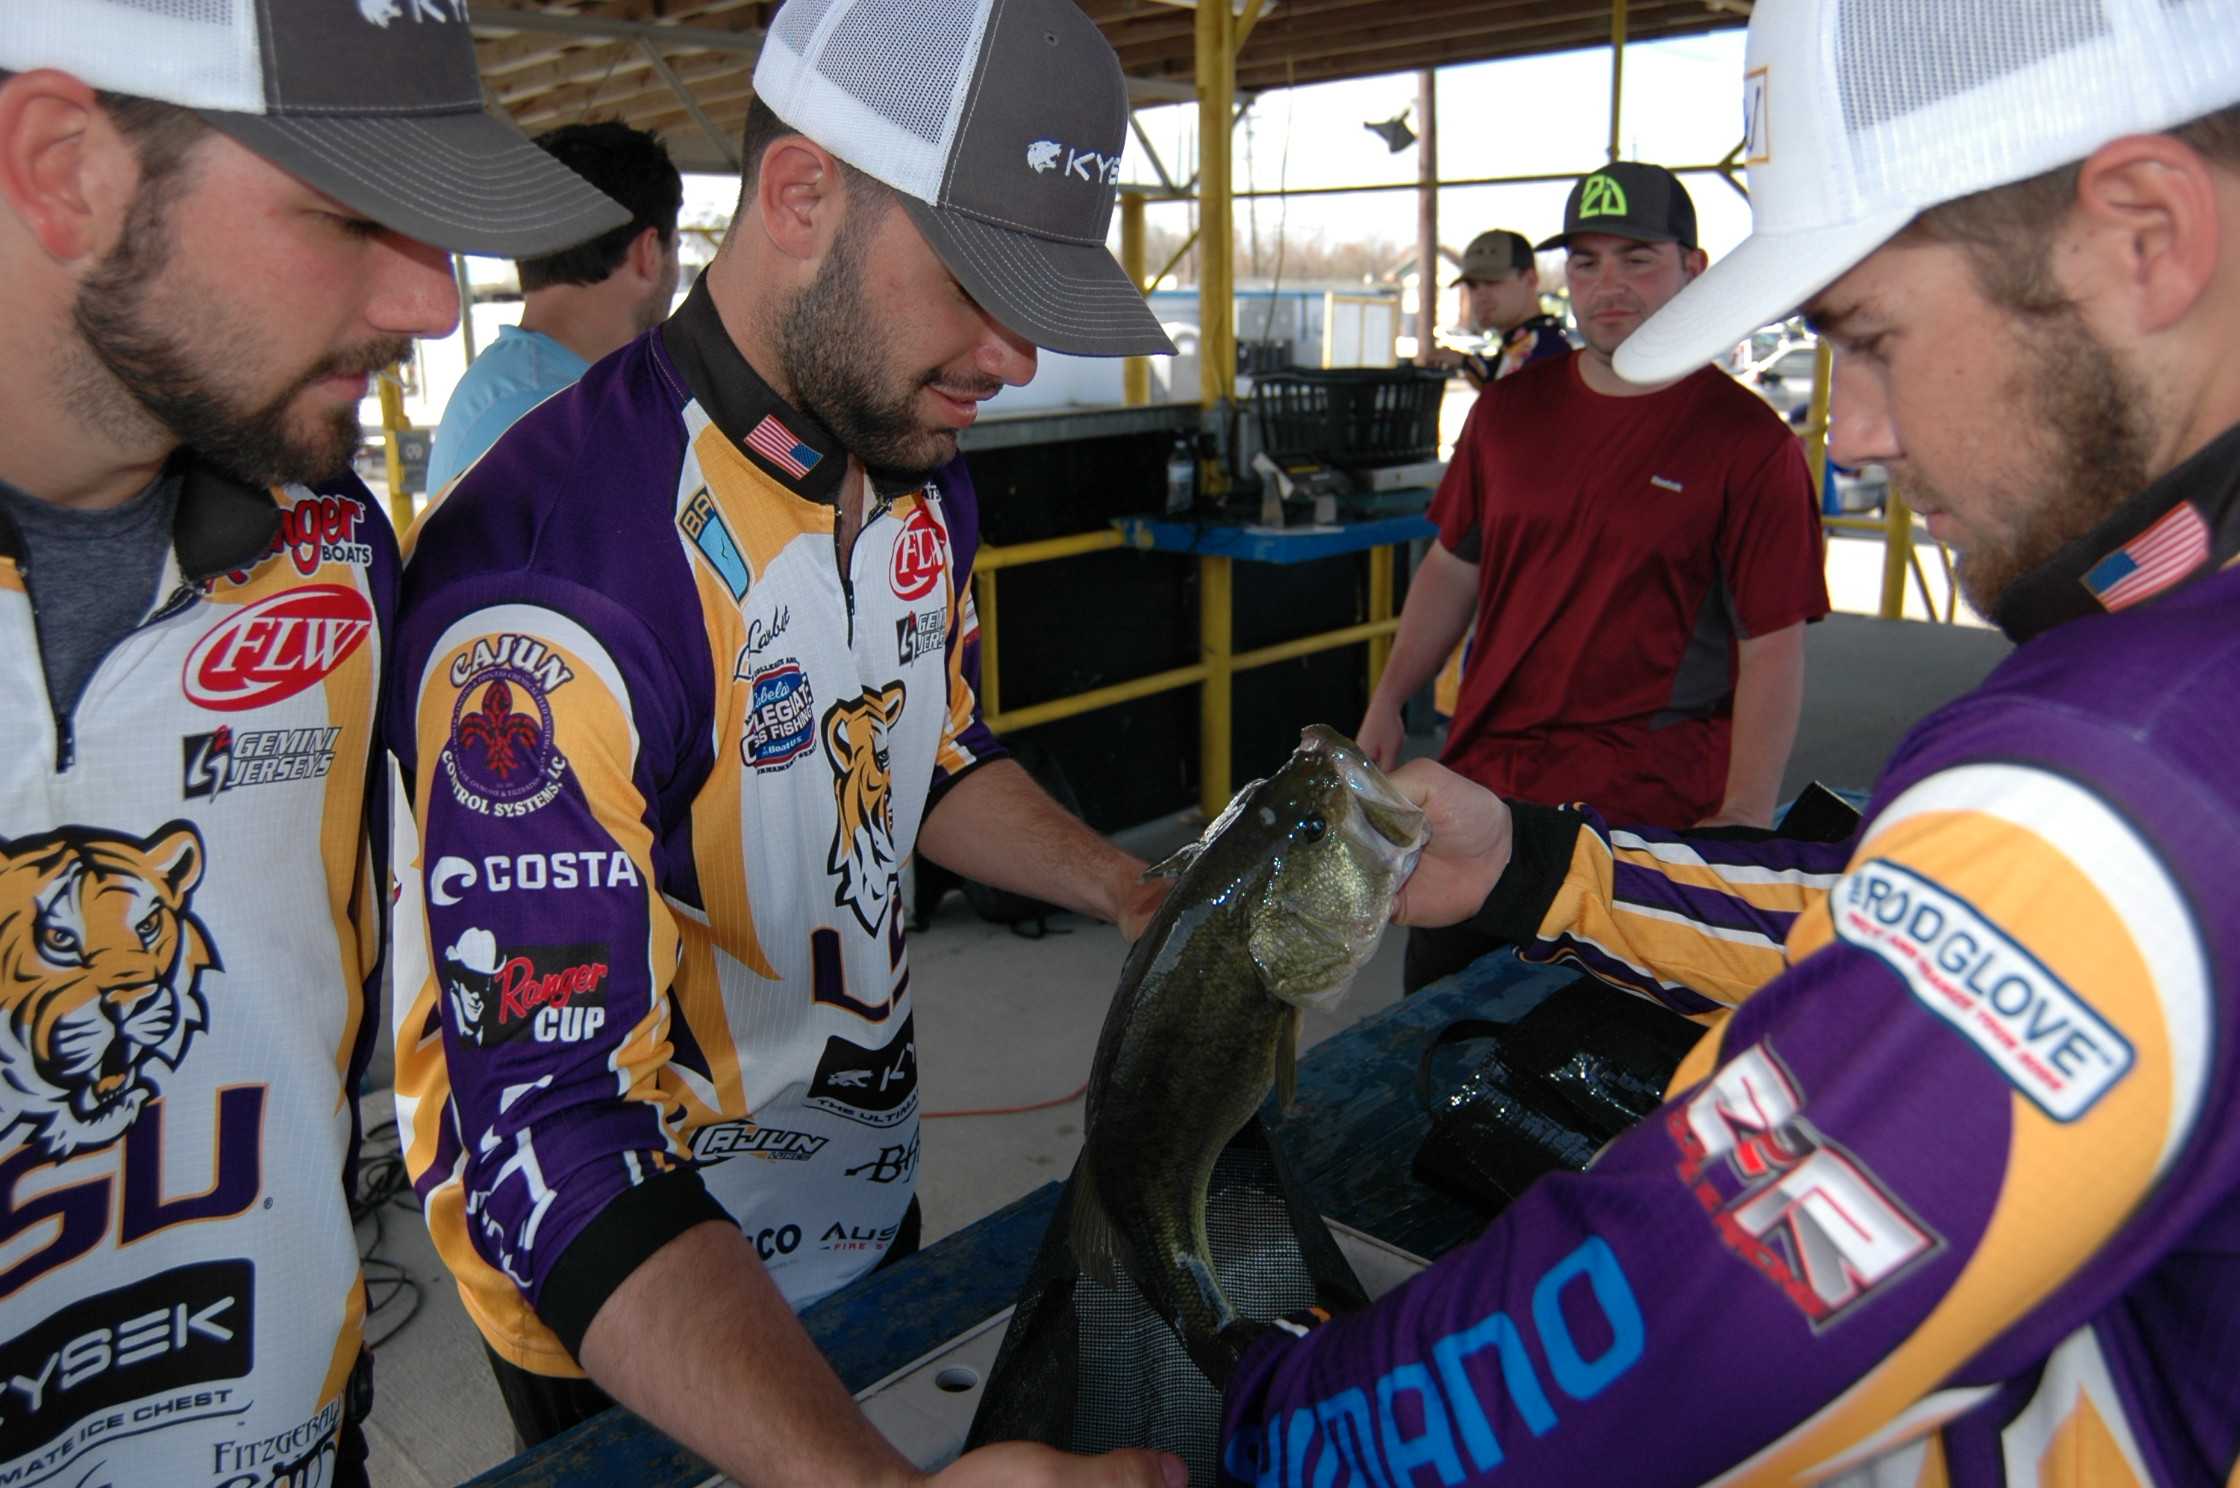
pixel 1275 909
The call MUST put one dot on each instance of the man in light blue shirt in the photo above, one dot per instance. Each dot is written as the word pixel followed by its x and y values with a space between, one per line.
pixel 577 305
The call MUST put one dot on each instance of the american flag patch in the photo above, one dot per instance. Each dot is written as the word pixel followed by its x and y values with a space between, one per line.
pixel 2176 545
pixel 775 443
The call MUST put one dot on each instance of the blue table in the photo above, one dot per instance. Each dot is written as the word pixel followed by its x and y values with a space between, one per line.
pixel 1350 1141
pixel 1256 544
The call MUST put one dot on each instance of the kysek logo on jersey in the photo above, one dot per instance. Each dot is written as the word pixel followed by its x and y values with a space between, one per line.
pixel 222 761
pixel 863 852
pixel 921 553
pixel 557 993
pixel 501 760
pixel 1801 1211
pixel 275 648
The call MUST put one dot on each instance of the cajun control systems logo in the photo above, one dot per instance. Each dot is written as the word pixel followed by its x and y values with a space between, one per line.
pixel 863 855
pixel 501 760
pixel 215 763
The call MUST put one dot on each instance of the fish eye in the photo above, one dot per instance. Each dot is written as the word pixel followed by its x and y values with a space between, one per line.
pixel 1312 827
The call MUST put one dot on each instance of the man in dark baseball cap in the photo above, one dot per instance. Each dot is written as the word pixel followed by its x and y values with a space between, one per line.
pixel 1629 199
pixel 1500 284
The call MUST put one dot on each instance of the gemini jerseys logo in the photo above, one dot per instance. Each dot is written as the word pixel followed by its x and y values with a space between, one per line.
pixel 1601 196
pixel 863 852
pixel 501 760
pixel 1800 1210
pixel 215 763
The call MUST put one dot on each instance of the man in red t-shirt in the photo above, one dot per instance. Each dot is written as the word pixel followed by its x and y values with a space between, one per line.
pixel 1634 565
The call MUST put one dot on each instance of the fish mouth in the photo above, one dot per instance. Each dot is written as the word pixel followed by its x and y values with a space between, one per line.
pixel 1395 819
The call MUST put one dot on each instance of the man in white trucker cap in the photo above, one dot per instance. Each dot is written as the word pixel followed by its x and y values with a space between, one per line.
pixel 705 620
pixel 216 220
pixel 1947 1193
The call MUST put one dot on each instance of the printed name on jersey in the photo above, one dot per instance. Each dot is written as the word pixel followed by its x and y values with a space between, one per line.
pixel 2048 1042
pixel 919 634
pixel 501 760
pixel 1801 1211
pixel 863 851
pixel 555 993
pixel 302 1455
pixel 164 1342
pixel 921 553
pixel 892 1165
pixel 749 1139
pixel 215 763
pixel 1420 1419
pixel 878 1087
pixel 781 721
pixel 704 527
pixel 529 873
pixel 762 630
pixel 275 648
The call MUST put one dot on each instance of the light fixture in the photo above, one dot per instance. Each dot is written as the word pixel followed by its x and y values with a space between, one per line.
pixel 1394 131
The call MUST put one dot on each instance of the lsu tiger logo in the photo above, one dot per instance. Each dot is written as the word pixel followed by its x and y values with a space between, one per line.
pixel 863 856
pixel 101 961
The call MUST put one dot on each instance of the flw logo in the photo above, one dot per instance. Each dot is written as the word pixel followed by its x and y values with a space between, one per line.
pixel 273 649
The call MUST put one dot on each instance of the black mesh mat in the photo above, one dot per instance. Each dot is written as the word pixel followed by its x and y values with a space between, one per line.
pixel 1087 1368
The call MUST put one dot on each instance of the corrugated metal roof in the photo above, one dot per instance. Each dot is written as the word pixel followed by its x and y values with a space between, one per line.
pixel 551 62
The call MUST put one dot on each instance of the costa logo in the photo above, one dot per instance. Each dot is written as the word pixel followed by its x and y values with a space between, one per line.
pixel 920 553
pixel 275 648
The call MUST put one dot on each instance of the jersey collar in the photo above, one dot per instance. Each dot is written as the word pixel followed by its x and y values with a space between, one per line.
pixel 788 445
pixel 220 525
pixel 2180 527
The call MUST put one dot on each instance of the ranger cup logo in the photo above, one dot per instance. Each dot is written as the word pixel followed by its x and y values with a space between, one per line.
pixel 501 760
pixel 863 854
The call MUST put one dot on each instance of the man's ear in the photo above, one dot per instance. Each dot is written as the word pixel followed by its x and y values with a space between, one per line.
pixel 2145 225
pixel 1694 261
pixel 65 172
pixel 800 196
pixel 645 256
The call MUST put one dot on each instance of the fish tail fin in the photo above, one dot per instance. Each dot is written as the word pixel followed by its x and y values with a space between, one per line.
pixel 1097 1246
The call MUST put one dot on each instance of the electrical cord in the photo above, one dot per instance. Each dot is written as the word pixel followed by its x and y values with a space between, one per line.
pixel 383 1183
pixel 1059 1100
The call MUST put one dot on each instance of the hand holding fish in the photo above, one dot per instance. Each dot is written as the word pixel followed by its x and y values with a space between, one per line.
pixel 1469 846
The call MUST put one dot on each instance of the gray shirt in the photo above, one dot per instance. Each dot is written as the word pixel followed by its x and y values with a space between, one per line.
pixel 92 576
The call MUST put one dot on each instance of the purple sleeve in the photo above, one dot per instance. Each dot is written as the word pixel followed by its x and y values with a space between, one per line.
pixel 967 742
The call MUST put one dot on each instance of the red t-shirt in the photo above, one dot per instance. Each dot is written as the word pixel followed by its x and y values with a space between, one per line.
pixel 1623 546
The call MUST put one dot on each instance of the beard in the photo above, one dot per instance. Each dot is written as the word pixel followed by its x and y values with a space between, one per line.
pixel 833 359
pixel 170 369
pixel 2089 450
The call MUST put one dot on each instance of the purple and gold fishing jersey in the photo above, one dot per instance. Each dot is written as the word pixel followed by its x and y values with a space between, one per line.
pixel 193 890
pixel 667 759
pixel 1949 1193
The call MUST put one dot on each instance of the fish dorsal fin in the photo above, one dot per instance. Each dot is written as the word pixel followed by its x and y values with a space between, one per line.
pixel 1287 1061
pixel 1173 866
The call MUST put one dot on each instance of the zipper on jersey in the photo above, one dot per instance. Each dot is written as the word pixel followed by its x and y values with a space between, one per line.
pixel 65 722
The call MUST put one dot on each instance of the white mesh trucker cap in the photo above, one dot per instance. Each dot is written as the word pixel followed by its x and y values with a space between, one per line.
pixel 1001 122
pixel 1860 114
pixel 375 102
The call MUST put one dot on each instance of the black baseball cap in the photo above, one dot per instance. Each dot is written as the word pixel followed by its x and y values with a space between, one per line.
pixel 1629 199
pixel 375 102
pixel 1495 255
pixel 1001 124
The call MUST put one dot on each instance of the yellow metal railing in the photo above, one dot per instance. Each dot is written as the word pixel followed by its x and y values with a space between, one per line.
pixel 1215 671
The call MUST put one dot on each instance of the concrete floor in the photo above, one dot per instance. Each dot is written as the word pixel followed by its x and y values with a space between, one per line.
pixel 1005 1021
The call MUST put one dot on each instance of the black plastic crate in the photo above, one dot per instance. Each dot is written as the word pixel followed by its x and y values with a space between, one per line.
pixel 1350 415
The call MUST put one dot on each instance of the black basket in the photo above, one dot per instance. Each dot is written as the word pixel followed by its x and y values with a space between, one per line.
pixel 1350 415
